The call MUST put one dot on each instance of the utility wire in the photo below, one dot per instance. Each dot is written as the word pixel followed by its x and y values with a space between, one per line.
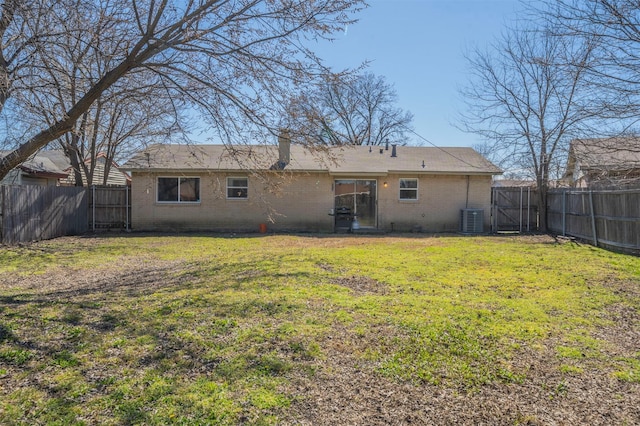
pixel 440 148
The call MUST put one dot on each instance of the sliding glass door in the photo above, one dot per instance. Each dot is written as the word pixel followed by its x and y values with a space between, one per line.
pixel 359 198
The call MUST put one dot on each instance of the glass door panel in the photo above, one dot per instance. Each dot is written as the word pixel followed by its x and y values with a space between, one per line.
pixel 355 198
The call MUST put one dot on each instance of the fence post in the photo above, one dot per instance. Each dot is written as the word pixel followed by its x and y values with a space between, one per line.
pixel 564 213
pixel 93 208
pixel 493 210
pixel 2 216
pixel 126 203
pixel 528 209
pixel 593 220
pixel 521 197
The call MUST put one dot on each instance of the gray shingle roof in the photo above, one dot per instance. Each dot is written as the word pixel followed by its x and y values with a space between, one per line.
pixel 606 153
pixel 40 163
pixel 360 160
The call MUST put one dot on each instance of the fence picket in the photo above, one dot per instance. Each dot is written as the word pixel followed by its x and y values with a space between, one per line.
pixel 610 217
pixel 33 213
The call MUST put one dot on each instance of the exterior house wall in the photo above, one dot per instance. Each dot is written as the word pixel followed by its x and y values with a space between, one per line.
pixel 17 177
pixel 116 176
pixel 304 202
pixel 440 199
pixel 312 194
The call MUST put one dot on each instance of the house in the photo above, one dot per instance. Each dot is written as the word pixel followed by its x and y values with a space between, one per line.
pixel 603 162
pixel 116 177
pixel 52 167
pixel 209 187
pixel 514 183
pixel 38 170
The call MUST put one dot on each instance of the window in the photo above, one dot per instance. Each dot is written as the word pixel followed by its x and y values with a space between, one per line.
pixel 408 189
pixel 178 190
pixel 237 187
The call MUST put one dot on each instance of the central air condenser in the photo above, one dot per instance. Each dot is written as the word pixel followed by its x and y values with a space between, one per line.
pixel 472 221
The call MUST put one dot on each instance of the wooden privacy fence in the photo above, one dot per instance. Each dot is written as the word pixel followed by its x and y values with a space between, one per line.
pixel 33 212
pixel 606 218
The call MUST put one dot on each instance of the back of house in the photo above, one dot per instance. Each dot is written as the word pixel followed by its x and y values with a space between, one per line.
pixel 287 187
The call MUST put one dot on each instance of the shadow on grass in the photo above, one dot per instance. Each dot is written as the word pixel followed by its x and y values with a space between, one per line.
pixel 123 338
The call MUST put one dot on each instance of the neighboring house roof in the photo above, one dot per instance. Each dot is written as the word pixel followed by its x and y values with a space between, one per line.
pixel 58 157
pixel 603 161
pixel 511 183
pixel 55 164
pixel 40 166
pixel 604 154
pixel 355 160
pixel 523 183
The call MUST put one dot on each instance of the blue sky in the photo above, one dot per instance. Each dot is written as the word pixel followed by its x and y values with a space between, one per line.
pixel 419 46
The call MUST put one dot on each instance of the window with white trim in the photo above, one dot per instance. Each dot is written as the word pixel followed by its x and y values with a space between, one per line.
pixel 238 188
pixel 409 189
pixel 178 190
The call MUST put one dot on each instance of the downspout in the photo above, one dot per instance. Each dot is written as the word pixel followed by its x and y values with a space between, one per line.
pixel 466 203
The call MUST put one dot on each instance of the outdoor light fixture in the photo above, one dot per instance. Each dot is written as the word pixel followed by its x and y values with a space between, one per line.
pixel 385 184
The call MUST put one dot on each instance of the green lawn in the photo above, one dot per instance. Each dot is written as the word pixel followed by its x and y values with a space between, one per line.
pixel 213 330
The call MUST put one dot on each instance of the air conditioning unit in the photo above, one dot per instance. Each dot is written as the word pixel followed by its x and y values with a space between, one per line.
pixel 472 221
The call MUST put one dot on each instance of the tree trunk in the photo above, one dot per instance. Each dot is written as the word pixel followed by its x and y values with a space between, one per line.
pixel 74 160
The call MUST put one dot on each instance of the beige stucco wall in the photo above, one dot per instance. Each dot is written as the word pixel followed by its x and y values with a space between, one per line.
pixel 304 201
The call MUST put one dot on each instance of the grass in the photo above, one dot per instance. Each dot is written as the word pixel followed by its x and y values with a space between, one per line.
pixel 213 330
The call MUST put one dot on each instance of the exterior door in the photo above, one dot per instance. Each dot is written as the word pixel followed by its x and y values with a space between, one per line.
pixel 356 199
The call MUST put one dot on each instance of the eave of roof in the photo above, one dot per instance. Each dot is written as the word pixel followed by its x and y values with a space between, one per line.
pixel 43 173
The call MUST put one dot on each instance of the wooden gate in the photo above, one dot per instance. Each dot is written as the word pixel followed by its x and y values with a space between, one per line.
pixel 109 207
pixel 514 209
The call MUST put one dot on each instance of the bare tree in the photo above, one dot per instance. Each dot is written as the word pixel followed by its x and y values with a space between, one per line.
pixel 116 127
pixel 352 111
pixel 526 99
pixel 235 61
pixel 615 68
pixel 132 111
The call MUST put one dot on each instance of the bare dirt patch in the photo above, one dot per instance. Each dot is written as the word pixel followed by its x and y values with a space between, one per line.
pixel 348 391
pixel 130 275
pixel 362 285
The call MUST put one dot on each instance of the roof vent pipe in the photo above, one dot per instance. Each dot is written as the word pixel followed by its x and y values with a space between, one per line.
pixel 386 145
pixel 393 150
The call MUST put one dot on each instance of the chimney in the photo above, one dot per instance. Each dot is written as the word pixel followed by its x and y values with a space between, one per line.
pixel 393 150
pixel 284 147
